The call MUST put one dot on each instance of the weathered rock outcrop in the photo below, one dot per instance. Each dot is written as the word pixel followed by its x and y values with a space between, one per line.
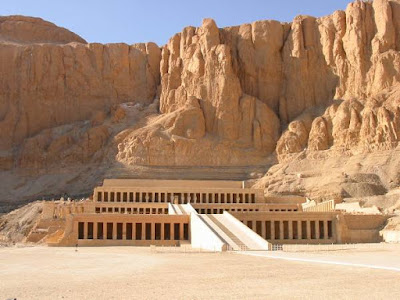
pixel 180 138
pixel 236 96
pixel 351 125
pixel 361 48
pixel 205 109
pixel 57 79
pixel 293 69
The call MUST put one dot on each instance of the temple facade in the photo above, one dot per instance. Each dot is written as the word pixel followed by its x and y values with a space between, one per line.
pixel 212 215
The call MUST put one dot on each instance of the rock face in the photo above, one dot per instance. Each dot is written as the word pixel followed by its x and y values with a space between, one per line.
pixel 237 96
pixel 51 84
pixel 296 70
pixel 204 107
pixel 360 47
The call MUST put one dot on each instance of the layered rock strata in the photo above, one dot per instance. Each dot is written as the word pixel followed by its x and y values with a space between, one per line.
pixel 236 96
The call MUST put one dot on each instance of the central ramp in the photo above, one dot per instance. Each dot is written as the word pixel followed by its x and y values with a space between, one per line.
pixel 180 209
pixel 227 235
pixel 233 233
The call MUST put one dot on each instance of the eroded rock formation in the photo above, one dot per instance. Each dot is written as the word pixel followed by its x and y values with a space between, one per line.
pixel 296 70
pixel 236 96
pixel 51 77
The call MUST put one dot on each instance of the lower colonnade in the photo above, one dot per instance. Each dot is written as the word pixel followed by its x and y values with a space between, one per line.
pixel 131 230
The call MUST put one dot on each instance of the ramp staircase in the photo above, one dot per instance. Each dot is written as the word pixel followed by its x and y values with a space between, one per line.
pixel 237 243
pixel 233 233
pixel 180 209
pixel 45 229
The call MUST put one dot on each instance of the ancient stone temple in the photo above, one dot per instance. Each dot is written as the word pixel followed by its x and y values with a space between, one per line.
pixel 213 215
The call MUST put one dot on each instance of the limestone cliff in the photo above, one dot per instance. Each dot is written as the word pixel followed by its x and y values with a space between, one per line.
pixel 292 72
pixel 51 77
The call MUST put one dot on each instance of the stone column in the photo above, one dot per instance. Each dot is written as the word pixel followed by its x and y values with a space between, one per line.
pixel 317 230
pixel 95 230
pixel 124 231
pixel 272 230
pixel 181 230
pixel 162 232
pixel 104 230
pixel 114 231
pixel 263 230
pixel 254 226
pixel 290 224
pixel 308 230
pixel 299 230
pixel 144 231
pixel 172 232
pixel 325 229
pixel 134 231
pixel 85 230
pixel 281 232
pixel 153 231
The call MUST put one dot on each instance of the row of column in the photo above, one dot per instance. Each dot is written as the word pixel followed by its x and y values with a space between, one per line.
pixel 221 210
pixel 293 229
pixel 180 198
pixel 132 210
pixel 138 231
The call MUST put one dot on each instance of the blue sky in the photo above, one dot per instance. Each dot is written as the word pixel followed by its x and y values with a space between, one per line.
pixel 148 20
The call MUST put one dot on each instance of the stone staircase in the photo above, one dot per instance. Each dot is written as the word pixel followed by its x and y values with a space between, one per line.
pixel 239 245
pixel 44 229
pixel 181 209
pixel 55 238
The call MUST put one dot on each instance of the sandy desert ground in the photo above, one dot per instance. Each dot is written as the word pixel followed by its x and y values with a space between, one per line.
pixel 141 273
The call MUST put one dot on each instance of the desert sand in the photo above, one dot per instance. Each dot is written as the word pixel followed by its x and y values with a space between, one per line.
pixel 142 273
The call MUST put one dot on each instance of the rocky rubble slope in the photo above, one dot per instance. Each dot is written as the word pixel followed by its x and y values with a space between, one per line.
pixel 15 226
pixel 308 95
